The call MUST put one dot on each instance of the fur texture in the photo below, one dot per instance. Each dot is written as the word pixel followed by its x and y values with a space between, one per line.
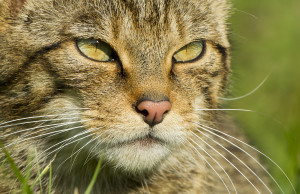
pixel 76 110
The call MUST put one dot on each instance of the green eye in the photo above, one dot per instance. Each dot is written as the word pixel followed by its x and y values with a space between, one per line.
pixel 96 50
pixel 189 52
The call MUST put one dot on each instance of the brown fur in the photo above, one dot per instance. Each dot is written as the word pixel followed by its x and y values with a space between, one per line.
pixel 42 73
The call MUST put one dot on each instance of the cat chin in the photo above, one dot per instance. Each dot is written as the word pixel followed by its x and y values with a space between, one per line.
pixel 137 157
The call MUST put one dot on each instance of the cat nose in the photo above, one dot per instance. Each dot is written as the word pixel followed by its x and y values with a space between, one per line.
pixel 153 111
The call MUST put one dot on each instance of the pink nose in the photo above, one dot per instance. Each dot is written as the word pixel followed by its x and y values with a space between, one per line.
pixel 153 111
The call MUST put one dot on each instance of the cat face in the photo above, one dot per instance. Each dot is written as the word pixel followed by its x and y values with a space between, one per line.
pixel 99 60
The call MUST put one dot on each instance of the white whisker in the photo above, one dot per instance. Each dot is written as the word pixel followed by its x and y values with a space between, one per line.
pixel 66 140
pixel 233 164
pixel 238 35
pixel 225 109
pixel 57 150
pixel 65 143
pixel 247 13
pixel 39 121
pixel 35 117
pixel 207 127
pixel 77 150
pixel 53 132
pixel 224 159
pixel 208 162
pixel 248 94
pixel 81 149
pixel 242 151
pixel 94 147
pixel 42 126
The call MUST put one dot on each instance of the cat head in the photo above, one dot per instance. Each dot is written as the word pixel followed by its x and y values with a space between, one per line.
pixel 116 63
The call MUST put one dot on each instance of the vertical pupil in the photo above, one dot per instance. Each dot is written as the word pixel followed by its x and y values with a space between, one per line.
pixel 96 46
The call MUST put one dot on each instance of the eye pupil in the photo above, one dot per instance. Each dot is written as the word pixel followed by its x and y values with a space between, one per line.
pixel 96 50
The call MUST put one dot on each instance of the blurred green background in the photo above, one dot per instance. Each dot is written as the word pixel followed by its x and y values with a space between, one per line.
pixel 265 37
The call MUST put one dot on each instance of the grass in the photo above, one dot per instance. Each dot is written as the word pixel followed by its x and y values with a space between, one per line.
pixel 265 43
pixel 25 180
pixel 94 178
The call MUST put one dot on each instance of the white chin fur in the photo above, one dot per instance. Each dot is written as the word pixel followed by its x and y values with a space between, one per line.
pixel 135 159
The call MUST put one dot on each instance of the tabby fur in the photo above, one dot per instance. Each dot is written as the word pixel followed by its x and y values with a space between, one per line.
pixel 42 73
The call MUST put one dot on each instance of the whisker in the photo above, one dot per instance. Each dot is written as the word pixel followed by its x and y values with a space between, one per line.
pixel 225 109
pixel 208 162
pixel 183 144
pixel 94 147
pixel 39 121
pixel 37 127
pixel 207 127
pixel 246 110
pixel 35 117
pixel 60 147
pixel 77 150
pixel 230 162
pixel 222 157
pixel 53 132
pixel 251 92
pixel 64 143
pixel 71 142
pixel 72 109
pixel 81 149
pixel 247 13
pixel 239 35
pixel 69 128
pixel 89 154
pixel 242 151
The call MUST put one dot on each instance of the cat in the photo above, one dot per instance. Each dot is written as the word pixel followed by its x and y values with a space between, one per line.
pixel 135 84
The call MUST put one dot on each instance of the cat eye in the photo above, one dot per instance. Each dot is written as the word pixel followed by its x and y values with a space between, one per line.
pixel 190 52
pixel 96 50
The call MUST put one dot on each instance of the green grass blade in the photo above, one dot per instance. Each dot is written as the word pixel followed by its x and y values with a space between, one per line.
pixel 10 151
pixel 29 167
pixel 40 182
pixel 50 180
pixel 90 187
pixel 26 188
pixel 46 169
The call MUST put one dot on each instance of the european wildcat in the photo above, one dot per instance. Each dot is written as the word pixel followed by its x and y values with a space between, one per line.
pixel 136 82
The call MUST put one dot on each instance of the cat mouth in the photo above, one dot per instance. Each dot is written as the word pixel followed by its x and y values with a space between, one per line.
pixel 145 141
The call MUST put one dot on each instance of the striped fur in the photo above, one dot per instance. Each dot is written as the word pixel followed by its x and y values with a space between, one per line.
pixel 42 73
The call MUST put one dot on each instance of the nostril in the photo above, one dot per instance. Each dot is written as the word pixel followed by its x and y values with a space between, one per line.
pixel 144 112
pixel 141 109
